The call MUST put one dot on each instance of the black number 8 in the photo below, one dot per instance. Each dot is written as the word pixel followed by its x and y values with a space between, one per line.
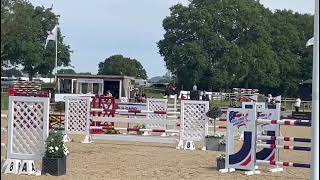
pixel 11 166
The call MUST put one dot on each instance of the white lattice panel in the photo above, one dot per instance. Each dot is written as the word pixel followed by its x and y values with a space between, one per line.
pixel 156 105
pixel 28 127
pixel 194 122
pixel 77 114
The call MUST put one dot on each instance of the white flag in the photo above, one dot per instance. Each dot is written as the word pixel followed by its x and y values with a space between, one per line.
pixel 52 35
pixel 310 42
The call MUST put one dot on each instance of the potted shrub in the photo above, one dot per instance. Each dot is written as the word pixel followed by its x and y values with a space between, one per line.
pixel 55 160
pixel 59 129
pixel 212 142
pixel 222 145
pixel 214 113
pixel 221 161
pixel 112 131
pixel 140 126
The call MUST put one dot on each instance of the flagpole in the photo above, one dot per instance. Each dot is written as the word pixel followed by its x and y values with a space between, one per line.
pixel 56 60
pixel 315 98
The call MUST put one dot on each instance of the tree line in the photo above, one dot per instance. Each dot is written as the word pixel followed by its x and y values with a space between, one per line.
pixel 24 29
pixel 219 45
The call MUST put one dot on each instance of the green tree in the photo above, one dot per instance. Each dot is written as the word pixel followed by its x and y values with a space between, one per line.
pixel 23 36
pixel 119 65
pixel 11 72
pixel 219 45
pixel 66 71
pixel 85 73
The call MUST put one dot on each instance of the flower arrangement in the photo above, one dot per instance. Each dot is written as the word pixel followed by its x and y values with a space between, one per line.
pixel 221 157
pixel 216 136
pixel 222 141
pixel 55 147
pixel 112 131
pixel 140 126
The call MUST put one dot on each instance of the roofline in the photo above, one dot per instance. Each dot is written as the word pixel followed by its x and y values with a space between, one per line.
pixel 94 76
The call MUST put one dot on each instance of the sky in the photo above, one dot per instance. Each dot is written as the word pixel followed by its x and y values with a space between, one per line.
pixel 97 29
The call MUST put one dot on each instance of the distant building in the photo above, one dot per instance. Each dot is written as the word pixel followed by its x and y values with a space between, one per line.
pixel 119 86
pixel 141 83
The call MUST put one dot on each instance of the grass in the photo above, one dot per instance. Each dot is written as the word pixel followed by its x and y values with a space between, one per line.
pixel 4 101
pixel 155 93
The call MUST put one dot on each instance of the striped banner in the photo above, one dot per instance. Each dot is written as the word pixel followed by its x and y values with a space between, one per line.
pixel 273 146
pixel 293 139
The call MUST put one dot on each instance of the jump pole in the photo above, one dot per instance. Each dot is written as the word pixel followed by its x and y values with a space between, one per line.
pixel 315 98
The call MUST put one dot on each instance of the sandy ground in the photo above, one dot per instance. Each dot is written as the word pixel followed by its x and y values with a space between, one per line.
pixel 103 160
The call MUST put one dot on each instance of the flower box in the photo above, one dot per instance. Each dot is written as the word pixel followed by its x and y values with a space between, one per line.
pixel 221 163
pixel 54 166
pixel 212 143
pixel 54 161
pixel 222 147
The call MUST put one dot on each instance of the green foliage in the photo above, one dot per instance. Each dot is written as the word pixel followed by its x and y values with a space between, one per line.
pixel 221 157
pixel 140 126
pixel 55 147
pixel 112 131
pixel 4 101
pixel 155 93
pixel 85 73
pixel 219 45
pixel 24 29
pixel 13 72
pixel 214 112
pixel 215 136
pixel 119 65
pixel 66 71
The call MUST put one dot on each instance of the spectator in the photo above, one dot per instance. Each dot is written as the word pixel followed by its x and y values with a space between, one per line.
pixel 143 98
pixel 194 88
pixel 269 99
pixel 109 94
pixel 297 104
pixel 204 96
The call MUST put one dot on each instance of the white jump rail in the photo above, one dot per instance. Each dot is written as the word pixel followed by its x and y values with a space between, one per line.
pixel 118 111
pixel 129 120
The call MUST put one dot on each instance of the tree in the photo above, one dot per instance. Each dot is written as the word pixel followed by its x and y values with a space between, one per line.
pixel 119 65
pixel 23 38
pixel 66 71
pixel 85 73
pixel 11 73
pixel 219 45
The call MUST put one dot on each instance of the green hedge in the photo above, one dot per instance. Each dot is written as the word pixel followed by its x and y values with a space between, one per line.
pixel 4 101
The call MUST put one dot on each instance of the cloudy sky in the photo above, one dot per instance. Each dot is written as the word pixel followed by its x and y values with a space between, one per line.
pixel 97 29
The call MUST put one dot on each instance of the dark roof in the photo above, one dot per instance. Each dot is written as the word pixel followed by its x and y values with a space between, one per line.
pixel 93 76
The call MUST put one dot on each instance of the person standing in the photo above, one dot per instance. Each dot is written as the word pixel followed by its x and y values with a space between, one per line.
pixel 109 94
pixel 269 99
pixel 297 104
